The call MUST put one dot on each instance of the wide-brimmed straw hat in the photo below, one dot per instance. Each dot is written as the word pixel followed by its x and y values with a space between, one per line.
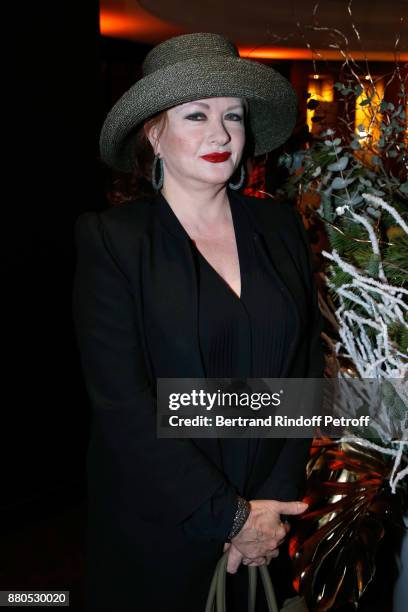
pixel 191 67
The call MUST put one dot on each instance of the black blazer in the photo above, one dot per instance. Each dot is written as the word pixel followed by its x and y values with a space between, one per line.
pixel 135 312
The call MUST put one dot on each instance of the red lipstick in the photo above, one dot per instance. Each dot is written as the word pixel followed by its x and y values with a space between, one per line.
pixel 216 158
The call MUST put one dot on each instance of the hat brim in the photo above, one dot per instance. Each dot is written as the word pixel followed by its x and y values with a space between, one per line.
pixel 271 99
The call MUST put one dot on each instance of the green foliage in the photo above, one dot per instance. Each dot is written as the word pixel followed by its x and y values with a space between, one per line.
pixel 356 184
pixel 373 265
pixel 394 403
pixel 350 241
pixel 338 278
pixel 395 261
pixel 399 335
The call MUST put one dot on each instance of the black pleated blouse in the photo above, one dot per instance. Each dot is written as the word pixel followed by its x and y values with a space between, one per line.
pixel 240 337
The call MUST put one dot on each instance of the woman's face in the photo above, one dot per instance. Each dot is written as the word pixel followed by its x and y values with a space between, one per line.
pixel 197 129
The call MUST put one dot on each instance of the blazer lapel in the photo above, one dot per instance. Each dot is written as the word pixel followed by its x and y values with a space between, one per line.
pixel 171 280
pixel 175 297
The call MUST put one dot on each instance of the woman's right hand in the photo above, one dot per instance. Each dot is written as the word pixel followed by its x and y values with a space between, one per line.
pixel 264 531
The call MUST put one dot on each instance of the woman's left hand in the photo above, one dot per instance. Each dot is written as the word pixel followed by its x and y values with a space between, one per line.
pixel 235 558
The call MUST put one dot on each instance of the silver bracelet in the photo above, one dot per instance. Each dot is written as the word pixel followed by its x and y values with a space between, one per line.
pixel 240 518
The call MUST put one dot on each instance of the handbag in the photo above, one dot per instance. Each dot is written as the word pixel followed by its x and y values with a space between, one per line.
pixel 216 595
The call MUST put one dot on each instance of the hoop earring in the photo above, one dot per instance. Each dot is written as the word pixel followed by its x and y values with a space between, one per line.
pixel 241 180
pixel 157 184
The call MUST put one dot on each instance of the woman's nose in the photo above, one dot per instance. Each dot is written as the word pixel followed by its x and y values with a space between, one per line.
pixel 218 133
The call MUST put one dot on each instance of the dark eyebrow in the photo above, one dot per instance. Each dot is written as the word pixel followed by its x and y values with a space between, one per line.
pixel 238 105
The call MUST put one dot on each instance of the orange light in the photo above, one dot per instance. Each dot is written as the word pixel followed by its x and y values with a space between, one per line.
pixel 117 24
pixel 140 26
pixel 366 124
pixel 273 53
pixel 320 88
pixel 327 54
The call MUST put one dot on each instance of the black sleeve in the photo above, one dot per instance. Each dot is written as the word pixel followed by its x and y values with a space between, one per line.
pixel 166 480
pixel 288 476
pixel 214 518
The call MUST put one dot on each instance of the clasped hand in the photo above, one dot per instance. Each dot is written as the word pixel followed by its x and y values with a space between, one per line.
pixel 259 539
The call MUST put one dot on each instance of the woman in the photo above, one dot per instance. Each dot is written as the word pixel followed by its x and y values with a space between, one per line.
pixel 196 281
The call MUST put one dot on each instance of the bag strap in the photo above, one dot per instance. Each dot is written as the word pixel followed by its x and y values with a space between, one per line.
pixel 268 588
pixel 252 584
pixel 216 595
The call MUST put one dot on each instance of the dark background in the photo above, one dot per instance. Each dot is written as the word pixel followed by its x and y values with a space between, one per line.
pixel 51 86
pixel 52 121
pixel 60 79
